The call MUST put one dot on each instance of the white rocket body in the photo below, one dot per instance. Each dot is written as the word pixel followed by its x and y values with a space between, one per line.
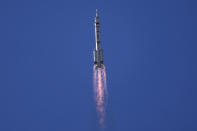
pixel 98 52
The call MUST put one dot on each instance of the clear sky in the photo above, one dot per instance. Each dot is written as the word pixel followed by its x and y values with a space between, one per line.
pixel 46 64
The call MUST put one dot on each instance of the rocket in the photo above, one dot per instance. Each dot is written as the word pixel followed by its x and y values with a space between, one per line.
pixel 98 51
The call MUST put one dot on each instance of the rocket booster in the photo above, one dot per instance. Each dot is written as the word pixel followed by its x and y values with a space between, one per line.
pixel 98 51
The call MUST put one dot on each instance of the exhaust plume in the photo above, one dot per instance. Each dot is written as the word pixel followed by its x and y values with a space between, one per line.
pixel 100 93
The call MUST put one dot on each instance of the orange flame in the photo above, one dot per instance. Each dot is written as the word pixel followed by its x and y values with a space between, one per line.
pixel 100 90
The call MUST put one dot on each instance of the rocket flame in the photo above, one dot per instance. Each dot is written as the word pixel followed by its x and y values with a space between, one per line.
pixel 100 92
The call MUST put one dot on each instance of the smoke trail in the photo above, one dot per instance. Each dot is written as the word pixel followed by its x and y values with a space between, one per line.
pixel 100 92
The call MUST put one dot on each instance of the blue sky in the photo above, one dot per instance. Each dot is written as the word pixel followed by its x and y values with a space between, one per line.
pixel 46 65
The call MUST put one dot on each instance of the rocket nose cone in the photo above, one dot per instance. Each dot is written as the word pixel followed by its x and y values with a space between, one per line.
pixel 97 13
